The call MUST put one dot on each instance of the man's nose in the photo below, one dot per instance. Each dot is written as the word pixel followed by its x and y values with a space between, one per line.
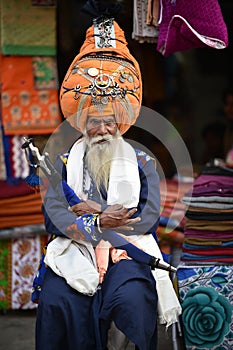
pixel 102 128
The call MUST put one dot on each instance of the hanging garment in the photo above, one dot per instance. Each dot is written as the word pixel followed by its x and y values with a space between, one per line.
pixel 143 32
pixel 187 26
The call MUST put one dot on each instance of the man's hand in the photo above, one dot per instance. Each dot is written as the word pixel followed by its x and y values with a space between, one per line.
pixel 86 207
pixel 116 216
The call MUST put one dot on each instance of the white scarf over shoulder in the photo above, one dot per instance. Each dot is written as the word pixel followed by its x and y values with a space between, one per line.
pixel 124 170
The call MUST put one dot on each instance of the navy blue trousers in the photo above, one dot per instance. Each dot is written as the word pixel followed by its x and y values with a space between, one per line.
pixel 69 320
pixel 129 298
pixel 64 317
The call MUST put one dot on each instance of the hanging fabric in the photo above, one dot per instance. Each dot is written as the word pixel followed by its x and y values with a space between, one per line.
pixel 27 29
pixel 186 26
pixel 142 31
pixel 29 95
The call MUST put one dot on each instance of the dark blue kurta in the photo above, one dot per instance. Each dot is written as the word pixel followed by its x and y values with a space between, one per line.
pixel 127 296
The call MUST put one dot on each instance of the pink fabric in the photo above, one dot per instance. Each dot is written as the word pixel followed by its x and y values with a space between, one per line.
pixel 182 20
pixel 102 252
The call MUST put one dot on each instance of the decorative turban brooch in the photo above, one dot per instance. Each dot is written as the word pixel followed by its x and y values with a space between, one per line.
pixel 103 77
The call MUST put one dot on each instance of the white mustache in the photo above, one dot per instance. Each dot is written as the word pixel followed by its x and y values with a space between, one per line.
pixel 96 139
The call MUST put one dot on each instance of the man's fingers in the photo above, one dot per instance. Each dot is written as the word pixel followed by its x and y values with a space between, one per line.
pixel 125 228
pixel 133 221
pixel 132 211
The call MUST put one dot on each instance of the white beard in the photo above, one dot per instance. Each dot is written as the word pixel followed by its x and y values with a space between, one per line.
pixel 99 157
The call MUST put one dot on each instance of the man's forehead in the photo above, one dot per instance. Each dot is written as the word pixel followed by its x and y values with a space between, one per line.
pixel 100 118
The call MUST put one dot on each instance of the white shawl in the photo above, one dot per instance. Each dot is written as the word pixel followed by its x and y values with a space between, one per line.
pixel 124 168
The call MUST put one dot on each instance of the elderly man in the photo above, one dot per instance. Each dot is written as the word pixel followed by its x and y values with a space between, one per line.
pixel 90 287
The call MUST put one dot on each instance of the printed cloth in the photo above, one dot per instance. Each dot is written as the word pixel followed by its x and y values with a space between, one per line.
pixel 19 259
pixel 29 95
pixel 26 29
pixel 206 297
pixel 15 161
pixel 143 17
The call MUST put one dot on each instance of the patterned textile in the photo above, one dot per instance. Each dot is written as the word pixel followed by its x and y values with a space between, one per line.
pixel 143 32
pixel 19 260
pixel 29 95
pixel 206 296
pixel 15 161
pixel 26 29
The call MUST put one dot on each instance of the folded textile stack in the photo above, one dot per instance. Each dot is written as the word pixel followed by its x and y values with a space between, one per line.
pixel 208 226
pixel 20 205
pixel 171 225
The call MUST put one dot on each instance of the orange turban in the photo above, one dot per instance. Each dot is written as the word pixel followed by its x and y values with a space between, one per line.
pixel 104 76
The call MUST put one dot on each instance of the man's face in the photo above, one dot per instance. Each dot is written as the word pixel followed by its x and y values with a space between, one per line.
pixel 101 126
pixel 101 137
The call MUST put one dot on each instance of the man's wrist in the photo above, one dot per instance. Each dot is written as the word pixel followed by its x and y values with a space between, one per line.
pixel 86 226
pixel 98 224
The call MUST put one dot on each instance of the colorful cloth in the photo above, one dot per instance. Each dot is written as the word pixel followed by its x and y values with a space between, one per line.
pixel 206 297
pixel 29 95
pixel 26 29
pixel 19 260
pixel 103 73
pixel 15 161
pixel 172 218
pixel 19 205
pixel 182 27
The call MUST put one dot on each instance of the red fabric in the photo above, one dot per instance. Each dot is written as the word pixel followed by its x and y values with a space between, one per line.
pixel 14 189
pixel 210 252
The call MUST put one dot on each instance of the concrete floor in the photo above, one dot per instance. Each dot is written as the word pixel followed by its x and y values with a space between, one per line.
pixel 17 330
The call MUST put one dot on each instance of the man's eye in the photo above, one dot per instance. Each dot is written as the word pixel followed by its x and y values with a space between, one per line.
pixel 95 123
pixel 110 123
